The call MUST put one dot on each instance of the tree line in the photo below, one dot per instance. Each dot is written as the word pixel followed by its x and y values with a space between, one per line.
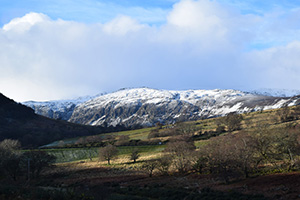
pixel 15 163
pixel 234 155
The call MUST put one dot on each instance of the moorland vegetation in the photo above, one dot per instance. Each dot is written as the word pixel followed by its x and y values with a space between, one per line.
pixel 187 160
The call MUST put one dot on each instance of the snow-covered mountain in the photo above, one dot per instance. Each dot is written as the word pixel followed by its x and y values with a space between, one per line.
pixel 144 106
pixel 276 92
pixel 60 109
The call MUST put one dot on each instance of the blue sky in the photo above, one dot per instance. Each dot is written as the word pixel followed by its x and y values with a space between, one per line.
pixel 59 49
pixel 88 11
pixel 93 11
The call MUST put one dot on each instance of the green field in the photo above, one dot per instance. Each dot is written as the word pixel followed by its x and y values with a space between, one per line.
pixel 249 123
pixel 75 154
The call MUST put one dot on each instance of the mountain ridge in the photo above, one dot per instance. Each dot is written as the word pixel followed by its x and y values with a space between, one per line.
pixel 276 92
pixel 146 106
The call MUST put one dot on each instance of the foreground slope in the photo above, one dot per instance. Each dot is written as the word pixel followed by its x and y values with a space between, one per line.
pixel 20 122
pixel 144 106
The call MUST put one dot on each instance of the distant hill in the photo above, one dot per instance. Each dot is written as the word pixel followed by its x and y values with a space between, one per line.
pixel 20 122
pixel 60 109
pixel 145 106
pixel 276 92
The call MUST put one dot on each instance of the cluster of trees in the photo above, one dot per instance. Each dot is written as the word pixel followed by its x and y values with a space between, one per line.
pixel 110 151
pixel 180 151
pixel 175 130
pixel 287 114
pixel 14 163
pixel 232 122
pixel 229 123
pixel 245 153
pixel 233 156
pixel 103 140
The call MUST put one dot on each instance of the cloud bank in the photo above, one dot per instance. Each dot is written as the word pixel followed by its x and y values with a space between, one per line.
pixel 202 45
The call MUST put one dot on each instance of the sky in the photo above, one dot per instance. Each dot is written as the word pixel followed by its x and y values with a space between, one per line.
pixel 62 49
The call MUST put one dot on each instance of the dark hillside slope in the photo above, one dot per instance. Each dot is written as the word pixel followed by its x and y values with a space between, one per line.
pixel 20 122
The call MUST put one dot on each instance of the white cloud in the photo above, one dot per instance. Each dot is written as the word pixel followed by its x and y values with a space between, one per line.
pixel 122 25
pixel 278 67
pixel 25 23
pixel 201 15
pixel 202 45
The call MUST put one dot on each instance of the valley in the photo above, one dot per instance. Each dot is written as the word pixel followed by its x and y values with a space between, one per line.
pixel 149 100
pixel 191 160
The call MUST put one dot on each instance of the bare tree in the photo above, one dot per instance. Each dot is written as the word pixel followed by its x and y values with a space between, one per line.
pixel 185 128
pixel 220 129
pixel 296 112
pixel 264 144
pixel 233 121
pixel 159 125
pixel 108 152
pixel 10 158
pixel 153 133
pixel 10 145
pixel 180 147
pixel 223 159
pixel 200 160
pixel 123 140
pixel 244 152
pixel 134 155
pixel 284 114
pixel 181 152
pixel 163 164
pixel 287 146
pixel 149 167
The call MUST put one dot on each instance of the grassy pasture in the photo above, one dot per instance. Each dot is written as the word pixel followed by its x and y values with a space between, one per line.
pixel 251 122
pixel 76 154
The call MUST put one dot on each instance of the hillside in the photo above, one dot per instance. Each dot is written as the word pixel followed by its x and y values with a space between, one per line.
pixel 202 130
pixel 213 161
pixel 20 122
pixel 146 107
pixel 189 160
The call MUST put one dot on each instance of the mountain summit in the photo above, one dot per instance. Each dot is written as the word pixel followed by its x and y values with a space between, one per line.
pixel 145 106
